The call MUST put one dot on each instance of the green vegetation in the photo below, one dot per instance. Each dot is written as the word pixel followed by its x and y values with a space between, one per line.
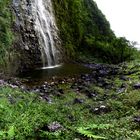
pixel 26 115
pixel 113 111
pixel 87 131
pixel 6 35
pixel 84 29
pixel 116 51
pixel 78 20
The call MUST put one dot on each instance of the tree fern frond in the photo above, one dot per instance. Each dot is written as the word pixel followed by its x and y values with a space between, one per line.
pixel 89 134
pixel 88 130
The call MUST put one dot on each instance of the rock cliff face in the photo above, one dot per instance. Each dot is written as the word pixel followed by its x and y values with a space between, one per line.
pixel 81 24
pixel 37 40
pixel 26 43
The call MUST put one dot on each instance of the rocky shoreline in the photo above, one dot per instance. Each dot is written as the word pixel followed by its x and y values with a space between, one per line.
pixel 102 75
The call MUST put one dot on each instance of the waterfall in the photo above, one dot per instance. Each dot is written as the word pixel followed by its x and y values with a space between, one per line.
pixel 47 31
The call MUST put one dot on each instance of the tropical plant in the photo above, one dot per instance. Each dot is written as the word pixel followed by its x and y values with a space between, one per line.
pixel 88 131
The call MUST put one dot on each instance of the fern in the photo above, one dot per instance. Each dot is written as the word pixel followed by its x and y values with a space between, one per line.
pixel 87 131
pixel 8 134
pixel 98 126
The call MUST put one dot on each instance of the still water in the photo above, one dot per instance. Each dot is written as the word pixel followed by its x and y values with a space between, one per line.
pixel 59 71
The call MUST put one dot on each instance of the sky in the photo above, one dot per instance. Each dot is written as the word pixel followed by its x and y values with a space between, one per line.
pixel 124 17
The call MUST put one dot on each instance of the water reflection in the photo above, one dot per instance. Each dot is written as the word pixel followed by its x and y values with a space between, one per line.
pixel 60 71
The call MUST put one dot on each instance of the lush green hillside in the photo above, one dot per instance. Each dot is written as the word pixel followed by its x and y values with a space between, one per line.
pixel 79 20
pixel 84 28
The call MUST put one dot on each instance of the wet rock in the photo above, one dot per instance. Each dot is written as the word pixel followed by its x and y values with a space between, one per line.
pixel 124 78
pixel 52 83
pixel 56 93
pixel 62 81
pixel 35 90
pixel 86 77
pixel 78 101
pixel 103 73
pixel 90 94
pixel 46 83
pixel 136 86
pixel 44 89
pixel 47 98
pixel 13 86
pixel 2 82
pixel 79 88
pixel 55 126
pixel 100 110
pixel 41 94
pixel 121 90
pixel 136 119
pixel 27 43
pixel 61 91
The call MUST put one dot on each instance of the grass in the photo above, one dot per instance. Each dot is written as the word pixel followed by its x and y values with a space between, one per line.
pixel 25 115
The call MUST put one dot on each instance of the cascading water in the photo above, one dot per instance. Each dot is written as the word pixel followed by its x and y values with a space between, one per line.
pixel 46 28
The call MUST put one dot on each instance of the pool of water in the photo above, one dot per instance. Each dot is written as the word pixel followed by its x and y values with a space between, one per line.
pixel 60 71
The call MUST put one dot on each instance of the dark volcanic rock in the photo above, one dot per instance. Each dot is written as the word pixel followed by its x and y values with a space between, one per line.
pixel 90 94
pixel 121 90
pixel 136 86
pixel 79 101
pixel 55 126
pixel 61 91
pixel 103 73
pixel 136 119
pixel 2 82
pixel 124 78
pixel 47 98
pixel 52 127
pixel 26 43
pixel 100 110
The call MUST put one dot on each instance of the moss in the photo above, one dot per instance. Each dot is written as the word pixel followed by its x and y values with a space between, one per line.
pixel 79 19
pixel 6 34
pixel 84 28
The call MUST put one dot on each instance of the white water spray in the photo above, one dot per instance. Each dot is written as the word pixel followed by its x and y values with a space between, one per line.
pixel 46 28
